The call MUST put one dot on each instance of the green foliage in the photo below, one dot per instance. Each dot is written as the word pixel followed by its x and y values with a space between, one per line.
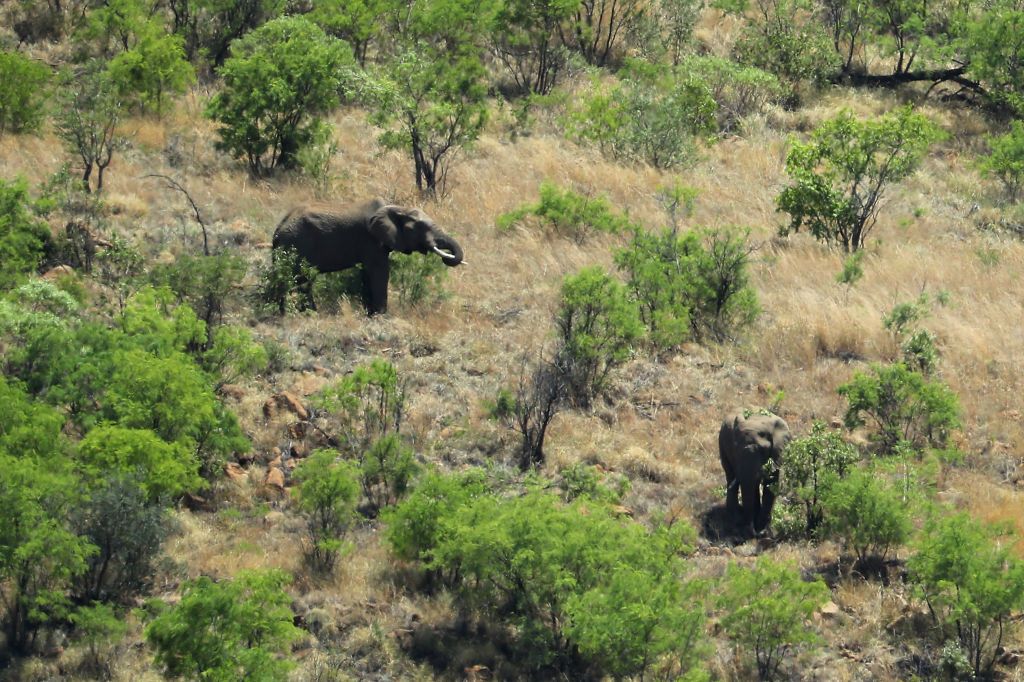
pixel 840 176
pixel 234 354
pixel 388 467
pixel 902 406
pixel 597 326
pixel 417 524
pixel 903 315
pixel 992 41
pixel 431 105
pixel 23 237
pixel 738 91
pixel 972 584
pixel 1005 160
pixel 525 38
pixel 281 78
pixel 418 281
pixel 228 630
pixel 920 352
pixel 544 567
pixel 153 70
pixel 368 404
pixel 209 27
pixel 766 609
pixel 358 22
pixel 652 115
pixel 584 480
pixel 569 213
pixel 853 270
pixel 865 515
pixel 692 286
pixel 812 464
pixel 100 628
pixel 23 92
pixel 502 407
pixel 165 470
pixel 278 282
pixel 205 283
pixel 86 120
pixel 327 492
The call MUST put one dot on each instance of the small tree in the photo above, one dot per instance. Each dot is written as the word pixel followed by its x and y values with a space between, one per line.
pixel 23 237
pixel 524 38
pixel 1005 160
pixel 281 78
pixel 228 630
pixel 327 494
pixel 812 464
pixel 841 175
pixel 23 92
pixel 865 515
pixel 902 405
pixel 539 397
pixel 153 70
pixel 765 611
pixel 972 584
pixel 597 327
pixel 569 213
pixel 368 404
pixel 388 467
pixel 87 121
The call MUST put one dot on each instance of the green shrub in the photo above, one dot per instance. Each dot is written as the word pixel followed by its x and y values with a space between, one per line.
pixel 165 469
pixel 367 404
pixel 766 609
pixel 153 71
pixel 865 515
pixel 1005 160
pixel 568 213
pixel 206 283
pixel 840 176
pixel 280 281
pixel 228 630
pixel 597 327
pixel 279 80
pixel 86 119
pixel 738 91
pixel 327 492
pixel 902 406
pixel 971 583
pixel 23 237
pixel 388 467
pixel 233 354
pixel 418 281
pixel 23 92
pixel 100 628
pixel 585 480
pixel 812 464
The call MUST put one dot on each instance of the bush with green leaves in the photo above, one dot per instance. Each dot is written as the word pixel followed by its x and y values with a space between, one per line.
pixel 598 327
pixel 367 404
pixel 865 515
pixel 813 463
pixel 765 612
pixel 206 283
pixel 388 468
pixel 166 469
pixel 210 27
pixel 525 39
pixel 233 629
pixel 326 492
pixel 153 70
pixel 696 285
pixel 279 81
pixel 419 282
pixel 23 237
pixel 653 115
pixel 573 579
pixel 901 405
pixel 972 583
pixel 1005 159
pixel 840 176
pixel 738 91
pixel 585 480
pixel 569 213
pixel 233 354
pixel 100 628
pixel 86 119
pixel 23 93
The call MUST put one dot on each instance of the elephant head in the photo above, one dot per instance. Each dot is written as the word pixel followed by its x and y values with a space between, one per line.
pixel 408 230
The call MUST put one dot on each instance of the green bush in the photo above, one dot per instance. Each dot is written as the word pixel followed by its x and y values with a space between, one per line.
pixel 569 213
pixel 812 464
pixel 738 91
pixel 327 492
pixel 597 327
pixel 865 515
pixel 840 176
pixel 418 281
pixel 766 609
pixel 584 480
pixel 23 237
pixel 23 92
pixel 153 71
pixel 902 406
pixel 86 119
pixel 228 630
pixel 206 283
pixel 1005 160
pixel 100 628
pixel 279 80
pixel 971 583
pixel 233 354
pixel 367 404
pixel 165 469
pixel 388 467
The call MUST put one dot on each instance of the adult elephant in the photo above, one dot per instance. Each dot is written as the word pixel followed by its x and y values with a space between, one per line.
pixel 332 238
pixel 746 445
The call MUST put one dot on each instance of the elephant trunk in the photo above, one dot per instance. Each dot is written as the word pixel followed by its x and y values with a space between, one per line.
pixel 448 249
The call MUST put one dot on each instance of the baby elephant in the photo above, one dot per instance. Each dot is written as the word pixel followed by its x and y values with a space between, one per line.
pixel 746 445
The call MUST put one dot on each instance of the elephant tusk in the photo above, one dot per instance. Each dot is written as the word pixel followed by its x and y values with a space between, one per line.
pixel 444 254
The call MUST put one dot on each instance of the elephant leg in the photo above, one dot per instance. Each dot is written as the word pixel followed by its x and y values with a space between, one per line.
pixel 305 287
pixel 375 285
pixel 732 489
pixel 751 490
pixel 764 520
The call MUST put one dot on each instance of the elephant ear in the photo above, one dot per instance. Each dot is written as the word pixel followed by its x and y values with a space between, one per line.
pixel 383 226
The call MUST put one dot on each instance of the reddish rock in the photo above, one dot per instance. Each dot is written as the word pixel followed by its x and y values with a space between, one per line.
pixel 232 391
pixel 234 471
pixel 274 479
pixel 298 430
pixel 284 401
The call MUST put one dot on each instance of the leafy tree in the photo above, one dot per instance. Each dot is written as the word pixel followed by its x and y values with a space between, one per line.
pixel 115 27
pixel 388 467
pixel 233 354
pixel 209 27
pixel 368 403
pixel 327 492
pixel 23 93
pixel 165 470
pixel 865 515
pixel 358 22
pixel 765 611
pixel 971 583
pixel 814 463
pixel 430 105
pixel 153 70
pixel 569 213
pixel 597 327
pixel 995 53
pixel 902 405
pixel 205 283
pixel 840 176
pixel 228 630
pixel 525 39
pixel 1005 159
pixel 738 91
pixel 280 79
pixel 23 237
pixel 100 627
pixel 598 27
pixel 86 121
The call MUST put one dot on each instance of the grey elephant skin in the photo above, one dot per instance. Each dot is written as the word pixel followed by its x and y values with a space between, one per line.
pixel 333 238
pixel 745 445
